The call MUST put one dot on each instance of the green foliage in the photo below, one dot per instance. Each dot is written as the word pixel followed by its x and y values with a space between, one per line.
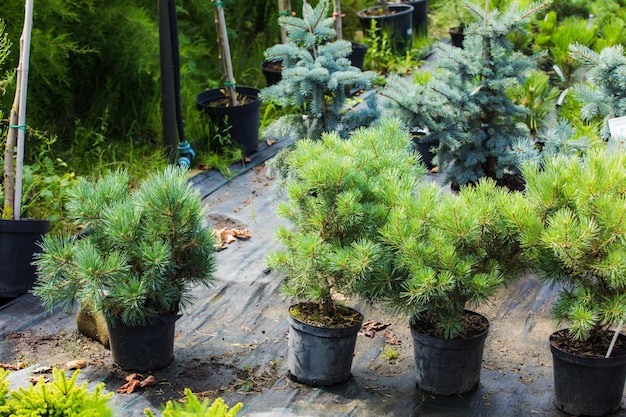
pixel 316 74
pixel 572 222
pixel 605 93
pixel 340 194
pixel 193 407
pixel 465 104
pixel 450 251
pixel 141 251
pixel 538 96
pixel 555 36
pixel 62 397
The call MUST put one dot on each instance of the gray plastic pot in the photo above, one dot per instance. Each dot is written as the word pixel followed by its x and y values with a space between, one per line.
pixel 448 367
pixel 320 356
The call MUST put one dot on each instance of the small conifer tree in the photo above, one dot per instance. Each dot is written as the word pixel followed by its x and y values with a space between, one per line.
pixel 475 118
pixel 571 222
pixel 340 194
pixel 316 73
pixel 605 93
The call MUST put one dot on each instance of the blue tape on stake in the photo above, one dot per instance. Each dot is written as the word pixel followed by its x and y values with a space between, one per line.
pixel 19 127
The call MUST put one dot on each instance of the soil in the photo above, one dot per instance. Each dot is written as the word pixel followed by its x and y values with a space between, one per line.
pixel 225 102
pixel 475 324
pixel 595 347
pixel 312 313
pixel 206 377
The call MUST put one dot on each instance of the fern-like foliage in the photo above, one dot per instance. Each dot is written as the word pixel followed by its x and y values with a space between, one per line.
pixel 316 73
pixel 141 253
pixel 604 95
pixel 62 397
pixel 572 224
pixel 193 407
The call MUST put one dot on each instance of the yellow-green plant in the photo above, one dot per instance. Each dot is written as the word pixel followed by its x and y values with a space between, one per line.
pixel 62 397
pixel 193 407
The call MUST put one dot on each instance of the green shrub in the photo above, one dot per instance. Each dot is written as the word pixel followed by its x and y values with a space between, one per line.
pixel 193 407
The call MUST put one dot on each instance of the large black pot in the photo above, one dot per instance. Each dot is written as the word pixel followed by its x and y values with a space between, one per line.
pixel 398 23
pixel 320 356
pixel 586 386
pixel 143 348
pixel 448 367
pixel 427 147
pixel 241 122
pixel 420 16
pixel 18 243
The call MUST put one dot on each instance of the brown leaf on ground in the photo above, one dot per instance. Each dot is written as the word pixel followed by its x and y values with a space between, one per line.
pixel 14 366
pixel 43 370
pixel 270 142
pixel 129 387
pixel 148 382
pixel 227 235
pixel 392 339
pixel 39 378
pixel 76 364
pixel 135 381
pixel 369 328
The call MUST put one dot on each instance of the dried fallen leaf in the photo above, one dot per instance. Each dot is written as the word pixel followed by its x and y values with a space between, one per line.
pixel 369 328
pixel 246 159
pixel 38 378
pixel 148 382
pixel 240 233
pixel 14 366
pixel 133 376
pixel 42 370
pixel 129 387
pixel 270 142
pixel 391 339
pixel 76 364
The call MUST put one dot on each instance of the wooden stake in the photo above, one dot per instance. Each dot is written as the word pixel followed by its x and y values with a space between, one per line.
pixel 226 64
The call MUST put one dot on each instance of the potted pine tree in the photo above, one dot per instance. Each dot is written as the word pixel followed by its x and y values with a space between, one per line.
pixel 449 253
pixel 340 192
pixel 136 263
pixel 571 222
pixel 235 109
pixel 18 235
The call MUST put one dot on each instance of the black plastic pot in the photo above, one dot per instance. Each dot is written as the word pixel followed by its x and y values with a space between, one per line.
pixel 398 23
pixel 424 145
pixel 420 16
pixel 587 386
pixel 143 348
pixel 241 122
pixel 271 75
pixel 18 243
pixel 320 356
pixel 457 36
pixel 448 367
pixel 357 57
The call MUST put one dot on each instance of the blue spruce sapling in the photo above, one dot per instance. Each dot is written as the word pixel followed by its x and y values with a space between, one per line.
pixel 316 74
pixel 474 117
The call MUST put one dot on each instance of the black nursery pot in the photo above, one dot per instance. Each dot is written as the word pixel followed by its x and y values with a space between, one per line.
pixel 420 16
pixel 399 23
pixel 272 76
pixel 143 348
pixel 320 356
pixel 586 386
pixel 18 243
pixel 241 122
pixel 448 367
pixel 357 56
